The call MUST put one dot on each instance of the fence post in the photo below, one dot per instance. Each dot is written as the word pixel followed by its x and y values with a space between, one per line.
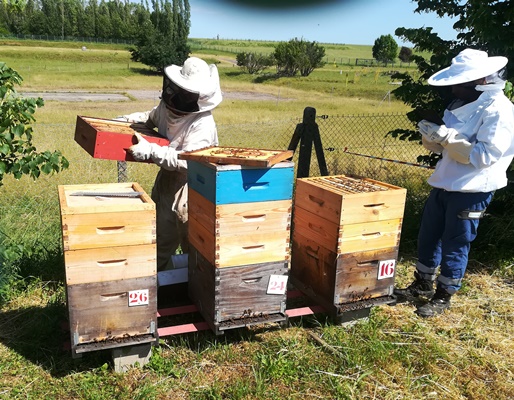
pixel 307 134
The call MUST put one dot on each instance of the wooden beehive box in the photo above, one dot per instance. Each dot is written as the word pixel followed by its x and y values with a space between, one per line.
pixel 109 139
pixel 235 183
pixel 236 234
pixel 346 233
pixel 335 279
pixel 346 214
pixel 112 314
pixel 230 298
pixel 108 233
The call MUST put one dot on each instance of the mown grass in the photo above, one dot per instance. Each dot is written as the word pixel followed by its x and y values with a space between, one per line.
pixel 465 353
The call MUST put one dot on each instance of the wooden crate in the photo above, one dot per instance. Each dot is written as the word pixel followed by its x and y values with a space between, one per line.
pixel 239 296
pixel 238 234
pixel 335 280
pixel 346 214
pixel 112 314
pixel 96 221
pixel 228 184
pixel 109 140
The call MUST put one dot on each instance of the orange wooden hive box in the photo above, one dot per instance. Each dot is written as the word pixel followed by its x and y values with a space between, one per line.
pixel 346 233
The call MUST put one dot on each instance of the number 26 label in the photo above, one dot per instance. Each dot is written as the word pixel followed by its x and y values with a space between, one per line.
pixel 138 297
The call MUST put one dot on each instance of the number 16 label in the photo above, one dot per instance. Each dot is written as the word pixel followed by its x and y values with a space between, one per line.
pixel 386 269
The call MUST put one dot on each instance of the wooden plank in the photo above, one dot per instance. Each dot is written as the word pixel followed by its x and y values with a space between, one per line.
pixel 109 263
pixel 238 155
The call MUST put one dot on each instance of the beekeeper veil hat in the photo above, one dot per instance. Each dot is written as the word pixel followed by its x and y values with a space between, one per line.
pixel 196 76
pixel 469 65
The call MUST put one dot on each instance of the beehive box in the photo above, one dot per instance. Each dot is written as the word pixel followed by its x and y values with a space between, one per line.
pixel 108 233
pixel 346 233
pixel 236 234
pixel 230 298
pixel 109 139
pixel 235 183
pixel 346 214
pixel 336 279
pixel 112 314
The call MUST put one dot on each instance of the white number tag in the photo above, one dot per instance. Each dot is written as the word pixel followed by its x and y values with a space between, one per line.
pixel 277 284
pixel 138 297
pixel 386 269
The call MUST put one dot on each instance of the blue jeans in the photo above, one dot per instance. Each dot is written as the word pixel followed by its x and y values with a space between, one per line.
pixel 448 226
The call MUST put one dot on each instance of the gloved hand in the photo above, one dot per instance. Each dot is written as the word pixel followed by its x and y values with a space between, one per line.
pixel 141 151
pixel 459 148
pixel 432 146
pixel 433 132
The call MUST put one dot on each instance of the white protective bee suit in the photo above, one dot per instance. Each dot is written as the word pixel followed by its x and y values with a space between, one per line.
pixel 184 117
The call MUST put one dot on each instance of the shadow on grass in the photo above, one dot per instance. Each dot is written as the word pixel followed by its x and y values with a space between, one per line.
pixel 40 335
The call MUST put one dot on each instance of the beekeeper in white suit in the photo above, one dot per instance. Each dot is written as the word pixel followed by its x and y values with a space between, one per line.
pixel 189 94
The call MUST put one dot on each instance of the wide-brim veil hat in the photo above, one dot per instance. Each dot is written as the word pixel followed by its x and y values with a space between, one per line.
pixel 198 77
pixel 469 65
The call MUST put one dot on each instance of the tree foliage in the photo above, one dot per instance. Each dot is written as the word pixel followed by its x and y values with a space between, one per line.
pixel 385 49
pixel 405 54
pixel 484 25
pixel 163 39
pixel 298 55
pixel 18 156
pixel 254 63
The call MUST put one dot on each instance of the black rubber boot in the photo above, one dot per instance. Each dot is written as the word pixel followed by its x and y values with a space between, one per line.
pixel 420 287
pixel 438 303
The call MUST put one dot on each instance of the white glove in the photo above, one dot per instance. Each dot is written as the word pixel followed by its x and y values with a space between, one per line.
pixel 433 132
pixel 459 148
pixel 432 146
pixel 141 151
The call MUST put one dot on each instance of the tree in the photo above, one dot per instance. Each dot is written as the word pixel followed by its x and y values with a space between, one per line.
pixel 385 49
pixel 298 56
pixel 405 54
pixel 18 156
pixel 163 37
pixel 481 25
pixel 253 63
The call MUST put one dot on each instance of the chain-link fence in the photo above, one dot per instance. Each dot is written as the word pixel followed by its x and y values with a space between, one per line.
pixel 350 144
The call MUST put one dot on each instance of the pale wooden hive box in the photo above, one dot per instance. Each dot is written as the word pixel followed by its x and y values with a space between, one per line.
pixel 110 260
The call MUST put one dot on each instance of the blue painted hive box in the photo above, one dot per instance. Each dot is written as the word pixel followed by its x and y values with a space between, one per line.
pixel 233 183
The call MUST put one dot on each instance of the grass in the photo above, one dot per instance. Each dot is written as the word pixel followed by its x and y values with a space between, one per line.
pixel 465 353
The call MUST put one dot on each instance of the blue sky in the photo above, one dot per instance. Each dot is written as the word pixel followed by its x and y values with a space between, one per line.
pixel 323 21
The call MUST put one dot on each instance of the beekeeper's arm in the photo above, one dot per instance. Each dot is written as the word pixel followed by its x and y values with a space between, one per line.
pixel 198 136
pixel 492 140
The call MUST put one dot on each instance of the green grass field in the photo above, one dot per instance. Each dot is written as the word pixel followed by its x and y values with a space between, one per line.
pixel 464 354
